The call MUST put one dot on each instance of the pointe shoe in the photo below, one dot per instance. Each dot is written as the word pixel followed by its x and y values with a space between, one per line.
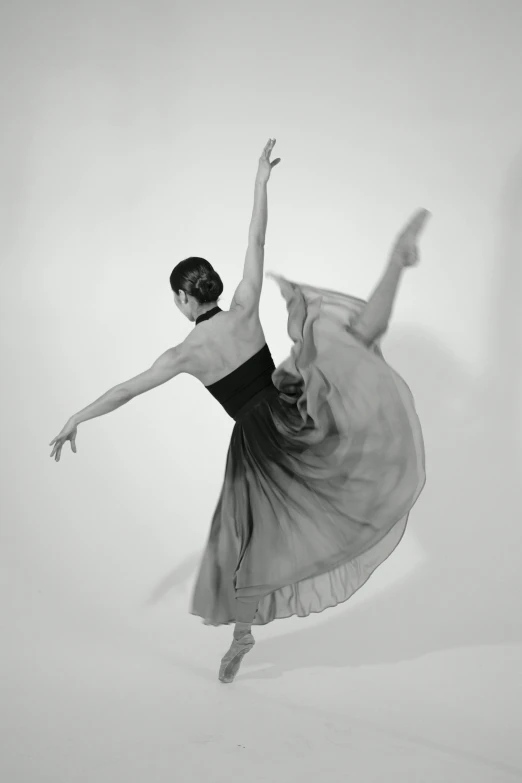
pixel 405 250
pixel 231 662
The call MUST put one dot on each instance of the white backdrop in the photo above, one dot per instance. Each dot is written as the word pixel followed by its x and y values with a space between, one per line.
pixel 130 137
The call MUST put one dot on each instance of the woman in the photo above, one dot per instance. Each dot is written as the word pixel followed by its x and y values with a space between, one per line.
pixel 326 456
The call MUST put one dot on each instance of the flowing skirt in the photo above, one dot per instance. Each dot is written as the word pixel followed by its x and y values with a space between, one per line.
pixel 321 473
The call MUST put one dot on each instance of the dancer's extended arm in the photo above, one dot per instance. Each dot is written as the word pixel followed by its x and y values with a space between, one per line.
pixel 259 220
pixel 258 223
pixel 171 363
pixel 248 292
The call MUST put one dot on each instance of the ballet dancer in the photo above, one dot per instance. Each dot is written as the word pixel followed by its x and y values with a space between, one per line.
pixel 326 455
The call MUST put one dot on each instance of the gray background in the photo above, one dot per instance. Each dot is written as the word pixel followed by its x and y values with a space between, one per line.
pixel 129 140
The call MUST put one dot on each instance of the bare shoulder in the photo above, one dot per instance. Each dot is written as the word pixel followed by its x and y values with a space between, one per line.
pixel 216 347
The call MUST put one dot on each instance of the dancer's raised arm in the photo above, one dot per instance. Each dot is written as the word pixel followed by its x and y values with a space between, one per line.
pixel 248 292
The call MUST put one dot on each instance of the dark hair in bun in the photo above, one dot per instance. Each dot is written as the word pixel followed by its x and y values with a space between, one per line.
pixel 198 278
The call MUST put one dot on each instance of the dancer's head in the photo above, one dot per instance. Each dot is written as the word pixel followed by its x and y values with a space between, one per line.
pixel 196 286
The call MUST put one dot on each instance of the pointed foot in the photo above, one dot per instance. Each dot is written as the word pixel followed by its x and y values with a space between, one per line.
pixel 405 251
pixel 231 662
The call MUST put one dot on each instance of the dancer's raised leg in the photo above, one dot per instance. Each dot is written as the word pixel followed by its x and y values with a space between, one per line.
pixel 374 319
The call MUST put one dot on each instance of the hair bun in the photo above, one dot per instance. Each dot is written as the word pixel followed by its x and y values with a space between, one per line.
pixel 205 285
pixel 198 278
pixel 208 279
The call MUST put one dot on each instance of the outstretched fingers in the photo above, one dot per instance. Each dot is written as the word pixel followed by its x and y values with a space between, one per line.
pixel 269 146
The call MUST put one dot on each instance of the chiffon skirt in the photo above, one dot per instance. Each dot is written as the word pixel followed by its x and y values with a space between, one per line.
pixel 321 472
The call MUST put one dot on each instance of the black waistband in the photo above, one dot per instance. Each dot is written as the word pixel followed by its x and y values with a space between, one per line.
pixel 267 391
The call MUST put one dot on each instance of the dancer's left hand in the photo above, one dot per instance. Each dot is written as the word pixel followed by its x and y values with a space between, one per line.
pixel 265 164
pixel 67 433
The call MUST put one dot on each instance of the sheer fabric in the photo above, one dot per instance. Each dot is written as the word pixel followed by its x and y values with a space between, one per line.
pixel 325 462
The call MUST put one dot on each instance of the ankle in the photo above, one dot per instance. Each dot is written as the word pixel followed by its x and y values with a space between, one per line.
pixel 241 629
pixel 396 263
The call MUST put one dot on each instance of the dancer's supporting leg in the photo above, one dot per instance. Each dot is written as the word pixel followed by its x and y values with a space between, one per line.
pixel 246 609
pixel 243 640
pixel 374 319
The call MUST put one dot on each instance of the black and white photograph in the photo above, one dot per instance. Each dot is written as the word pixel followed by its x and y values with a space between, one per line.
pixel 261 404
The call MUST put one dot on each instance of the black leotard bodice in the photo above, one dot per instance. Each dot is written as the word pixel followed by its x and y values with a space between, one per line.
pixel 238 391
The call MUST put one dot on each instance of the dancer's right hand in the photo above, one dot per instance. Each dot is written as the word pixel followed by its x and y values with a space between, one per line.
pixel 265 164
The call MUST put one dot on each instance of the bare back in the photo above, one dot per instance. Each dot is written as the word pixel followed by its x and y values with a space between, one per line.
pixel 221 344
